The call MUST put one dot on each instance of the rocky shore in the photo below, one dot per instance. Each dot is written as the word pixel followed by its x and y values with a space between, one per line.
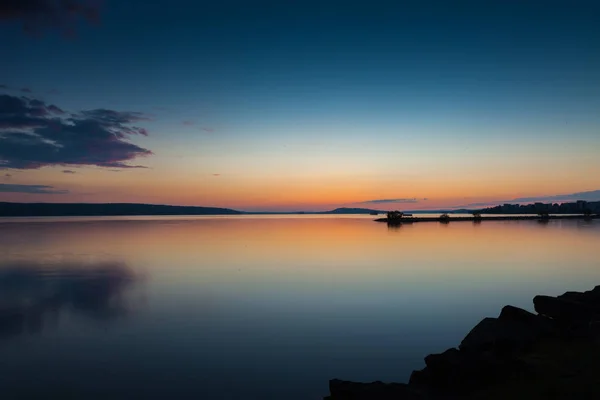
pixel 554 354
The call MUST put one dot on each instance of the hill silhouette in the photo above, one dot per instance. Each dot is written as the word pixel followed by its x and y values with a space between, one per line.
pixel 104 209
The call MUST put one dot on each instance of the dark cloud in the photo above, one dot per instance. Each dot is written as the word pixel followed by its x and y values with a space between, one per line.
pixel 26 90
pixel 7 177
pixel 210 130
pixel 4 87
pixel 216 174
pixel 40 15
pixel 386 201
pixel 188 123
pixel 34 134
pixel 54 109
pixel 68 171
pixel 32 189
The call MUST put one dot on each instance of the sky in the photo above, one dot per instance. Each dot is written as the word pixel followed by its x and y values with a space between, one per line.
pixel 299 105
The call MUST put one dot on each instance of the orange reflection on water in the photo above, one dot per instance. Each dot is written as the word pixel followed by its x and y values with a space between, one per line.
pixel 310 248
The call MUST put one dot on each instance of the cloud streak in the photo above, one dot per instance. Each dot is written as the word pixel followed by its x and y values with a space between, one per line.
pixel 37 16
pixel 391 201
pixel 34 134
pixel 30 189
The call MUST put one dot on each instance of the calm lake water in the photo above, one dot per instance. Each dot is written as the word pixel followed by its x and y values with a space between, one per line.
pixel 258 307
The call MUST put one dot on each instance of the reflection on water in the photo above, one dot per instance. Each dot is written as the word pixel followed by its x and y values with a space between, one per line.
pixel 259 308
pixel 33 294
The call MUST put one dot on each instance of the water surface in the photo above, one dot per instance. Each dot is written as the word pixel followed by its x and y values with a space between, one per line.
pixel 258 307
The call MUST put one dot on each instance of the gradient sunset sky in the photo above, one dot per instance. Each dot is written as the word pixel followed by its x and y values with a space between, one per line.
pixel 299 105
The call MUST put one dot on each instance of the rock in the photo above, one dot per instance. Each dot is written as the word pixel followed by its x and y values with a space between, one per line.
pixel 590 298
pixel 419 378
pixel 517 314
pixel 447 359
pixel 346 390
pixel 459 373
pixel 499 335
pixel 541 326
pixel 564 309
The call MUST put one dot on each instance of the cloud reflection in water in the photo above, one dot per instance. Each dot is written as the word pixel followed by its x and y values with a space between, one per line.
pixel 33 294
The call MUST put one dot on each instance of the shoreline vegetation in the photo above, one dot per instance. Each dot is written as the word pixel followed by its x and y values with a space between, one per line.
pixel 538 211
pixel 554 354
pixel 447 218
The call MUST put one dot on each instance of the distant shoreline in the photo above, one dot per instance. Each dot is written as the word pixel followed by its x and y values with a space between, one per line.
pixel 410 220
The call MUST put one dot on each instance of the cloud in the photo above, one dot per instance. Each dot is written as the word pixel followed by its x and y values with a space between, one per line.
pixel 210 130
pixel 68 171
pixel 54 109
pixel 7 177
pixel 387 201
pixel 34 134
pixel 40 15
pixel 4 87
pixel 216 174
pixel 188 123
pixel 26 90
pixel 31 189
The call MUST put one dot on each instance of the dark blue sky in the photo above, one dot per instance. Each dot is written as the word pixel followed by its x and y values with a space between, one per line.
pixel 419 73
pixel 402 52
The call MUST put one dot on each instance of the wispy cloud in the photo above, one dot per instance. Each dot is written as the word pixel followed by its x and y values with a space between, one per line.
pixel 391 201
pixel 209 130
pixel 26 90
pixel 32 189
pixel 188 123
pixel 216 174
pixel 7 177
pixel 68 171
pixel 34 134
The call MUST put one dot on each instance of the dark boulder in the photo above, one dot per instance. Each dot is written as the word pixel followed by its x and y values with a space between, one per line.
pixel 346 390
pixel 539 325
pixel 420 378
pixel 512 313
pixel 565 310
pixel 590 298
pixel 501 336
pixel 457 372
